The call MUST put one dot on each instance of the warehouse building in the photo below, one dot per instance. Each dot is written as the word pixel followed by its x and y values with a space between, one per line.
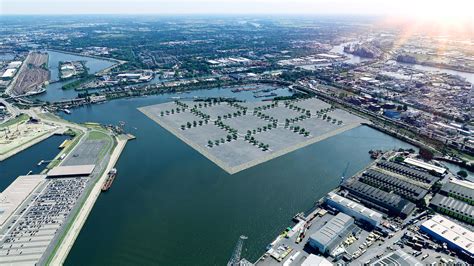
pixel 454 235
pixel 354 209
pixel 331 234
pixel 391 183
pixel 315 260
pixel 429 167
pixel 71 170
pixel 8 74
pixel 409 172
pixel 459 191
pixel 398 257
pixel 389 203
pixel 16 193
pixel 453 207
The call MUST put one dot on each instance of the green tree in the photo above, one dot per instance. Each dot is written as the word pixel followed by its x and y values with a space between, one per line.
pixel 462 173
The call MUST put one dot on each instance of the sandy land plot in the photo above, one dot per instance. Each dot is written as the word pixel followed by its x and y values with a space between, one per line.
pixel 281 113
pixel 280 138
pixel 218 110
pixel 245 122
pixel 312 104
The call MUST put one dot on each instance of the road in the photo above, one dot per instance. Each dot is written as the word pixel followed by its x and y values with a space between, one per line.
pixel 71 235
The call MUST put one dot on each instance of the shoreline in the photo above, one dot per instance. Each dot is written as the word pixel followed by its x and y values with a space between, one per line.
pixel 76 225
pixel 30 143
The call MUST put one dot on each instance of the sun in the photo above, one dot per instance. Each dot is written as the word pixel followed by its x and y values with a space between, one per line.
pixel 442 11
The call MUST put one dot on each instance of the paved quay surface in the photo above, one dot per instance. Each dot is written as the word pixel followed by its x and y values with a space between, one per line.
pixel 269 124
pixel 69 239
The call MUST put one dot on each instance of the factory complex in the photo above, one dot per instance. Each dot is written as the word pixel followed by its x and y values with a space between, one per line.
pixel 394 212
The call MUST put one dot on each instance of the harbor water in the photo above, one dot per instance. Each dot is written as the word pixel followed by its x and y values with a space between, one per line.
pixel 27 160
pixel 169 205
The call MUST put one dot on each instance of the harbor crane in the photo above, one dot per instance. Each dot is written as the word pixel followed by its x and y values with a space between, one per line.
pixel 343 176
pixel 235 259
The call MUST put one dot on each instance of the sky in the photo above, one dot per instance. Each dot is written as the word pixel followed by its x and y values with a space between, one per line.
pixel 413 8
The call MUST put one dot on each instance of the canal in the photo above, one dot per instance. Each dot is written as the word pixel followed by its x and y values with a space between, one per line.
pixel 27 160
pixel 54 91
pixel 169 205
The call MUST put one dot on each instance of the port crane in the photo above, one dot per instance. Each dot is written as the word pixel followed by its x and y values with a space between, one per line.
pixel 235 259
pixel 343 176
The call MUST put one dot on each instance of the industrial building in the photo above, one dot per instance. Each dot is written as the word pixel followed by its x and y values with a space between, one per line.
pixel 398 257
pixel 332 233
pixel 409 172
pixel 426 166
pixel 8 74
pixel 453 207
pixel 459 191
pixel 354 209
pixel 390 183
pixel 454 235
pixel 16 193
pixel 71 170
pixel 315 260
pixel 386 202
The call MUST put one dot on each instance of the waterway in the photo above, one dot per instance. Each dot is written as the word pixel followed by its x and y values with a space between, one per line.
pixel 352 59
pixel 456 168
pixel 27 160
pixel 54 91
pixel 468 76
pixel 169 205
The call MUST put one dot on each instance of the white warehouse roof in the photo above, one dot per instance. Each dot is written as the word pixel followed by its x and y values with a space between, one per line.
pixel 427 166
pixel 452 232
pixel 9 73
pixel 355 206
pixel 71 170
pixel 14 195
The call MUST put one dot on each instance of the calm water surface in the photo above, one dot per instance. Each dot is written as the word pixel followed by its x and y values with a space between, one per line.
pixel 23 162
pixel 169 205
pixel 54 91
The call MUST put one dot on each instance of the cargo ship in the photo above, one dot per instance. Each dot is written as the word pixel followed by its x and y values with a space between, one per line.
pixel 110 179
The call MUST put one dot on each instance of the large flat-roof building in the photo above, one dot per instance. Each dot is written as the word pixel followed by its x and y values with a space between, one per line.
pixel 332 233
pixel 426 166
pixel 71 170
pixel 315 260
pixel 354 209
pixel 8 74
pixel 389 203
pixel 453 207
pixel 399 258
pixel 454 235
pixel 16 193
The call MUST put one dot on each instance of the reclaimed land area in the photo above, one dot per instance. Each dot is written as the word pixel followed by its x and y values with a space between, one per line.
pixel 237 136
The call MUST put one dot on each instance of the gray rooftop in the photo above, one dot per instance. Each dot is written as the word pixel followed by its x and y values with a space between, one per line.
pixel 458 190
pixel 398 257
pixel 330 231
pixel 71 170
pixel 453 205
